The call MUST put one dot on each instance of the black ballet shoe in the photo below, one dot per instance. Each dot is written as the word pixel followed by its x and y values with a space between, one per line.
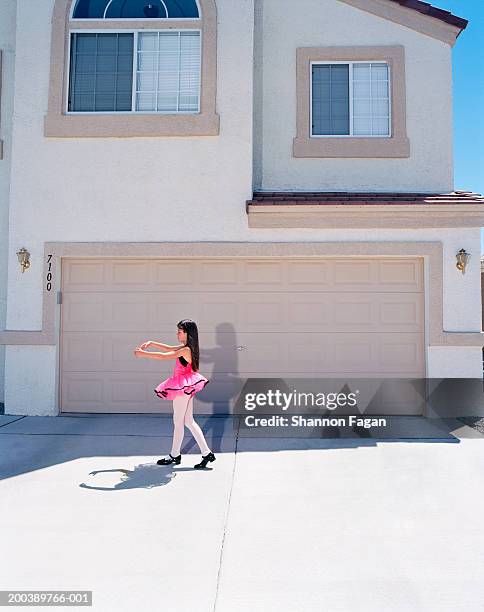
pixel 204 461
pixel 168 460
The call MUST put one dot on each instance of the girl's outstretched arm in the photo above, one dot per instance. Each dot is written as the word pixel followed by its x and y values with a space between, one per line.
pixel 165 347
pixel 139 352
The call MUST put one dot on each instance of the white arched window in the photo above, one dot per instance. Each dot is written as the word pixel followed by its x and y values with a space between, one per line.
pixel 143 68
pixel 135 9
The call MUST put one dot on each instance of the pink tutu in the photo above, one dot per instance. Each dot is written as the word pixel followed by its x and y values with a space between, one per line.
pixel 183 382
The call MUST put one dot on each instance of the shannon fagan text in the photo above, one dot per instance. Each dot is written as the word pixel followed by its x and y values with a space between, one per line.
pixel 300 421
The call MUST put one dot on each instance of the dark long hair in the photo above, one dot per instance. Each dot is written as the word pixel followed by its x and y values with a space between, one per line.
pixel 191 329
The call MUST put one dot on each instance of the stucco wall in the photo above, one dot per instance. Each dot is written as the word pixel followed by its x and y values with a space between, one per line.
pixel 146 189
pixel 7 46
pixel 319 23
pixel 194 189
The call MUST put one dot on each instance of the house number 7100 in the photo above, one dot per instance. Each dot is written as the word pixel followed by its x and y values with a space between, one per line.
pixel 49 273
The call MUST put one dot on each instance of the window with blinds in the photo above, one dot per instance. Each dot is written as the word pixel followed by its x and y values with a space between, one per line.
pixel 350 99
pixel 168 71
pixel 162 76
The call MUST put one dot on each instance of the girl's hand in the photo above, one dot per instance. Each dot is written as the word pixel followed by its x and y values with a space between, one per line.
pixel 146 344
pixel 137 352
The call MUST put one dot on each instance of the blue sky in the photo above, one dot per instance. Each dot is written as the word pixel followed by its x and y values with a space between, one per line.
pixel 468 89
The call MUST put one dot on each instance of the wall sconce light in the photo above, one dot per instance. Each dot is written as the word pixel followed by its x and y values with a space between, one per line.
pixel 462 260
pixel 23 258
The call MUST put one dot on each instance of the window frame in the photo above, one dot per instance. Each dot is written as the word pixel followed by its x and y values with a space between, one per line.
pixel 350 63
pixel 134 72
pixel 305 144
pixel 60 123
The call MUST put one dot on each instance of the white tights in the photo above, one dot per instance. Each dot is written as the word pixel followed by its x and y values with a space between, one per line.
pixel 183 417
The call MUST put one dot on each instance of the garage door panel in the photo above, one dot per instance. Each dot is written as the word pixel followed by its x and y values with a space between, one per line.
pixel 350 353
pixel 313 353
pixel 262 273
pixel 301 352
pixel 88 351
pixel 401 353
pixel 402 311
pixel 129 274
pixel 262 312
pixel 83 351
pixel 376 353
pixel 84 275
pixel 356 312
pixel 405 274
pixel 392 353
pixel 306 275
pixel 218 273
pixel 98 392
pixel 359 274
pixel 173 274
pixel 123 311
pixel 301 317
pixel 83 387
pixel 306 312
pixel 83 310
pixel 318 312
pixel 392 274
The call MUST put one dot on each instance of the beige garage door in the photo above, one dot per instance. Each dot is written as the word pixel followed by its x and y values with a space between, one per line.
pixel 256 317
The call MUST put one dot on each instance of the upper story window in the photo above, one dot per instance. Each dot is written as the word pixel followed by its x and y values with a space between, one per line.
pixel 138 71
pixel 135 72
pixel 350 99
pixel 133 68
pixel 351 102
pixel 135 9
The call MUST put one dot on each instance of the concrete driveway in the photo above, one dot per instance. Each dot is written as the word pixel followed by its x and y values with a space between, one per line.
pixel 281 524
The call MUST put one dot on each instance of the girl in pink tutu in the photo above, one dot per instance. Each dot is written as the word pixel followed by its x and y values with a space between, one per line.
pixel 181 388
